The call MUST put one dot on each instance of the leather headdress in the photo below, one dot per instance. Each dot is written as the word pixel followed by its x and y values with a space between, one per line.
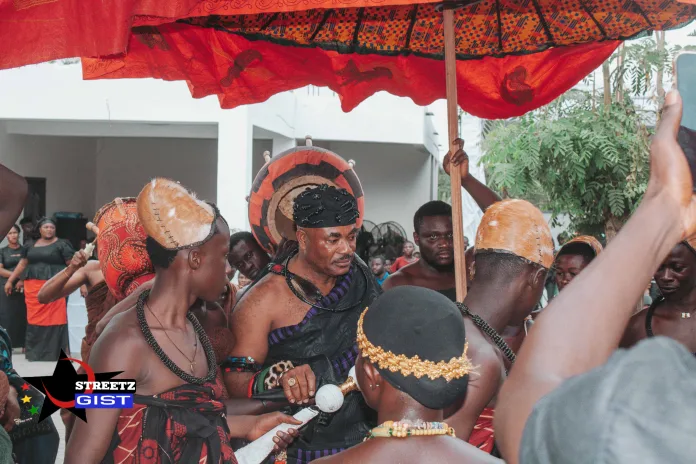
pixel 173 216
pixel 516 227
pixel 588 240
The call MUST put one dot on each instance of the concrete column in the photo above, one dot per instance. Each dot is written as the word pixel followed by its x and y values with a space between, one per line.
pixel 235 139
pixel 281 144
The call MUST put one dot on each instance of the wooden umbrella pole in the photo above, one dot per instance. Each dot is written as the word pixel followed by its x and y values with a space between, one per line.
pixel 453 134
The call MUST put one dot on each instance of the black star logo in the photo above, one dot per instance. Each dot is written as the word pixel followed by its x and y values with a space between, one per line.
pixel 59 388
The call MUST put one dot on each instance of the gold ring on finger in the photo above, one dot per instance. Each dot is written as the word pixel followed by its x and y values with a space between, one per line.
pixel 292 381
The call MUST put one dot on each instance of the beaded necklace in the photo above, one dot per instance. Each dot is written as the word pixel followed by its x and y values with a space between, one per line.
pixel 489 331
pixel 166 360
pixel 307 286
pixel 405 429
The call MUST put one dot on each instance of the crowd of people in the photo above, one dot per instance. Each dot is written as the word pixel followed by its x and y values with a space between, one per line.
pixel 492 377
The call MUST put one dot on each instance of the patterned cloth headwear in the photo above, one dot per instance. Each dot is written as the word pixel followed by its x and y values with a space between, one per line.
pixel 516 227
pixel 123 258
pixel 325 206
pixel 173 216
pixel 588 240
pixel 415 338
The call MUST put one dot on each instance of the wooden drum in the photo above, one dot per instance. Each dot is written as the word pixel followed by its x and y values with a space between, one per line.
pixel 121 247
pixel 283 178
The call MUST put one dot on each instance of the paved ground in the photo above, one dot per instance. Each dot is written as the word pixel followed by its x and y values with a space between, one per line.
pixel 30 369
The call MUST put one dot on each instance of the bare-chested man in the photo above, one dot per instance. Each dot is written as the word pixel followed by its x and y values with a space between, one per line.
pixel 305 312
pixel 161 345
pixel 407 330
pixel 432 225
pixel 513 253
pixel 674 313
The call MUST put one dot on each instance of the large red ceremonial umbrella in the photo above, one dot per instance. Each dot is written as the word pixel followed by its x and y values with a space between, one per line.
pixel 494 58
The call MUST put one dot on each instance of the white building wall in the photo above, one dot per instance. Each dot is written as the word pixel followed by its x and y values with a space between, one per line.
pixel 125 165
pixel 396 181
pixel 67 164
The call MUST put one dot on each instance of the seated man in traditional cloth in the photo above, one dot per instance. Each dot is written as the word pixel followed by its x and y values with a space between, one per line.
pixel 513 253
pixel 673 313
pixel 296 327
pixel 178 414
pixel 412 364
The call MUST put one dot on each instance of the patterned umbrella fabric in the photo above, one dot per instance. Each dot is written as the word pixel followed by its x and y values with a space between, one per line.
pixel 245 52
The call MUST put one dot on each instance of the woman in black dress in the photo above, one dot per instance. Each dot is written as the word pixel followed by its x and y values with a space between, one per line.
pixel 47 324
pixel 13 311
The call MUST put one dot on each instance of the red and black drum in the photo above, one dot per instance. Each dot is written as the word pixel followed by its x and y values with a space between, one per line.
pixel 287 175
pixel 121 247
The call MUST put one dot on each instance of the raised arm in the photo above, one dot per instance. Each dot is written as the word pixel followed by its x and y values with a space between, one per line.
pixel 70 279
pixel 13 195
pixel 113 352
pixel 482 195
pixel 584 324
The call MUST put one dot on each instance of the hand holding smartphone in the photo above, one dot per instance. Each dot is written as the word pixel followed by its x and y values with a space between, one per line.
pixel 685 75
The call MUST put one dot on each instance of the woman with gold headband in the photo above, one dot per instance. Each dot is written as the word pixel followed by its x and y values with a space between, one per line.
pixel 412 364
pixel 179 414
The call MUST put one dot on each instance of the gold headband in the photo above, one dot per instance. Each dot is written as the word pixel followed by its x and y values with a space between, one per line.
pixel 456 368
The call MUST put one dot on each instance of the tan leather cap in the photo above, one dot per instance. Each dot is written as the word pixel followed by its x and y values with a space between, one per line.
pixel 173 216
pixel 516 227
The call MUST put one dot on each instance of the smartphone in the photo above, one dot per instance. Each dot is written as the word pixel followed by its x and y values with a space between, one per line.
pixel 685 75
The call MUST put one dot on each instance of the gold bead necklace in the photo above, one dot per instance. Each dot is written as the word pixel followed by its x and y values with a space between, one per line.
pixel 404 429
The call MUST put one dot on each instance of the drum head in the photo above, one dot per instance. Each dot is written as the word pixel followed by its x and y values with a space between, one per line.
pixel 283 178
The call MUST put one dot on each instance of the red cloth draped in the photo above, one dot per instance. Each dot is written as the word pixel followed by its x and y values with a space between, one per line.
pixel 34 31
pixel 489 88
pixel 185 424
pixel 53 313
pixel 482 435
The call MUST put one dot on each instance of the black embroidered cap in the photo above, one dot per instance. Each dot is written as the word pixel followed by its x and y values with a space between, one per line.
pixel 325 206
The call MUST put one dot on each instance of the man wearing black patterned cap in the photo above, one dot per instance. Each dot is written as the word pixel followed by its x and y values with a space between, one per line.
pixel 295 329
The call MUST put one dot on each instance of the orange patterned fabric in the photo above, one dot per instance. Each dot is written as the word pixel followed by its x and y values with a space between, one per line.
pixel 482 435
pixel 359 51
pixel 121 247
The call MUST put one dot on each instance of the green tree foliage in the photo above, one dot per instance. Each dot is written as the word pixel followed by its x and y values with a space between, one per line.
pixel 586 154
pixel 589 164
